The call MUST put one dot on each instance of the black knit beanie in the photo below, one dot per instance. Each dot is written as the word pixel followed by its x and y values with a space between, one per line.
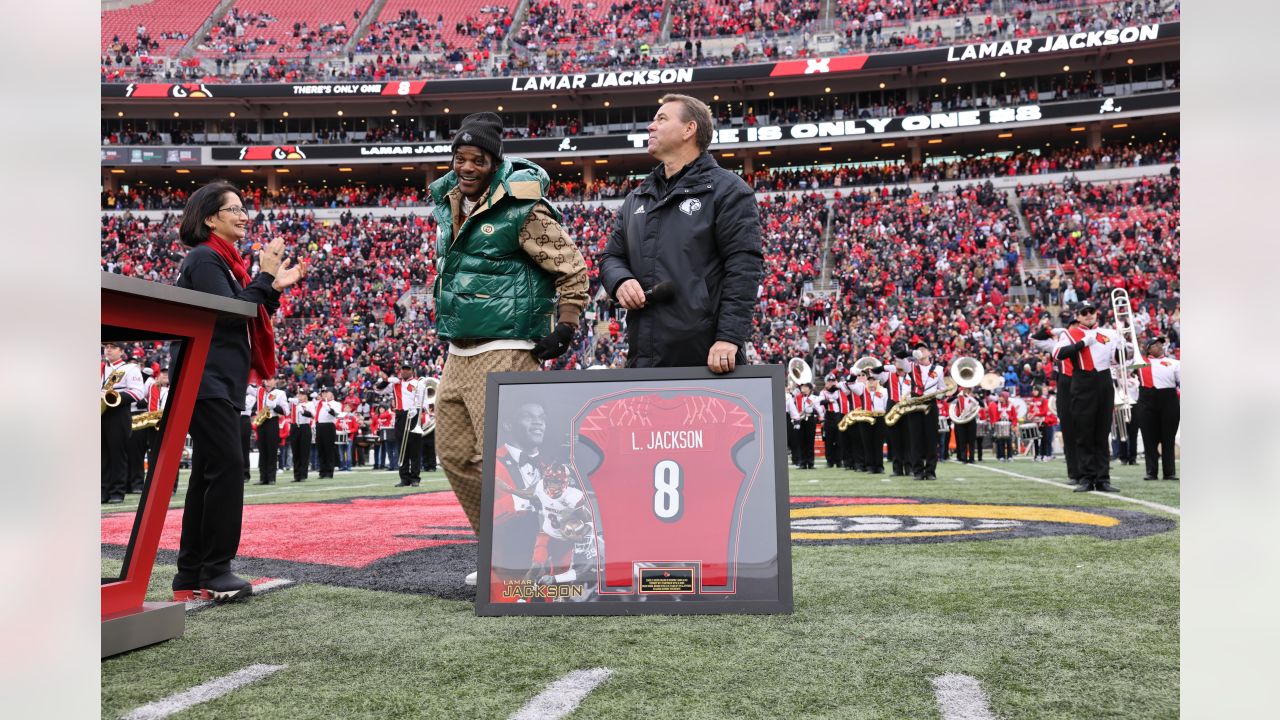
pixel 483 130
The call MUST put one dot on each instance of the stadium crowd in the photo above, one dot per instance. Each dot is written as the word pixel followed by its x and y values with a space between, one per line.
pixel 839 175
pixel 578 37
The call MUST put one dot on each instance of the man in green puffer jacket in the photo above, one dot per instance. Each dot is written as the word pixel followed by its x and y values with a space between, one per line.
pixel 505 267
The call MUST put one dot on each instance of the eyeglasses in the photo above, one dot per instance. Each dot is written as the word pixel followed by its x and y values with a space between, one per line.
pixel 235 210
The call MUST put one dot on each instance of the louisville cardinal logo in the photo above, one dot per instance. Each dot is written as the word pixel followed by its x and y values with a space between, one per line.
pixel 272 152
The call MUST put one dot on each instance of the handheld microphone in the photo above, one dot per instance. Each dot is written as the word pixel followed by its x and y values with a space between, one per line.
pixel 663 292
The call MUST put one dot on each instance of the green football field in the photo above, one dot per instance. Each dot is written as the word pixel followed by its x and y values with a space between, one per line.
pixel 1075 625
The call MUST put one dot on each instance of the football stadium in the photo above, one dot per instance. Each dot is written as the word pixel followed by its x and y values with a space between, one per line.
pixel 804 359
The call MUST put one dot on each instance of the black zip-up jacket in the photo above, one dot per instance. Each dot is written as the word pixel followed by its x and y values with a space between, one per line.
pixel 226 371
pixel 704 237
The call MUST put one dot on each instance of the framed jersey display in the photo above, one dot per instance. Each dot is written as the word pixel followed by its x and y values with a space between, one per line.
pixel 620 492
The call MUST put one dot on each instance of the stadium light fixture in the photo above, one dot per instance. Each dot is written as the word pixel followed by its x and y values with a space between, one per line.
pixel 1005 135
pixel 339 113
pixel 177 114
pixel 1078 128
pixel 119 113
pixel 606 103
pixel 117 171
pixel 344 169
pixel 771 93
pixel 726 155
pixel 231 114
pixel 888 144
pixel 407 167
pixel 395 111
pixel 715 98
pixel 1118 126
pixel 944 80
pixel 284 114
pixel 1003 73
pixel 566 162
pixel 602 161
pixel 183 171
pixel 826 89
pixel 935 141
pixel 247 171
pixel 499 108
pixel 824 148
pixel 1129 61
pixel 446 111
pixel 765 152
pixel 282 171
pixel 555 106
pixel 881 86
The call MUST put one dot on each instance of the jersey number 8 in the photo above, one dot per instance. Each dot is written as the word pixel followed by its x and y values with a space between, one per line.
pixel 666 490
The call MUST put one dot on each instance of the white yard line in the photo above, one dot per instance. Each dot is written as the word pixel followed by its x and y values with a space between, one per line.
pixel 326 488
pixel 211 690
pixel 1113 496
pixel 960 697
pixel 562 696
pixel 260 586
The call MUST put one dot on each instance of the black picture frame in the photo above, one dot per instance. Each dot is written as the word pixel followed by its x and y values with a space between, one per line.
pixel 774 592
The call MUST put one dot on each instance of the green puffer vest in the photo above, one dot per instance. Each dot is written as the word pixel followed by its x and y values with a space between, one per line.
pixel 487 286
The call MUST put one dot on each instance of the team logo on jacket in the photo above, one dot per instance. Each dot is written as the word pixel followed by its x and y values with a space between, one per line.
pixel 690 206
pixel 487 229
pixel 865 520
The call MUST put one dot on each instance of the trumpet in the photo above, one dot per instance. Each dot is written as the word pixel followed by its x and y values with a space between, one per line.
pixel 110 397
pixel 149 419
pixel 918 404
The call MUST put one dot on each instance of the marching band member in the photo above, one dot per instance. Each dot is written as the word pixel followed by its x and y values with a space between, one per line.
pixel 246 424
pixel 874 398
pixel 854 442
pixel 116 422
pixel 831 401
pixel 1159 409
pixel 327 411
pixel 966 432
pixel 410 442
pixel 301 415
pixel 944 428
pixel 896 388
pixel 382 422
pixel 1003 411
pixel 1064 369
pixel 1092 396
pixel 806 415
pixel 157 400
pixel 401 389
pixel 793 426
pixel 923 378
pixel 428 440
pixel 139 439
pixel 277 403
pixel 1127 449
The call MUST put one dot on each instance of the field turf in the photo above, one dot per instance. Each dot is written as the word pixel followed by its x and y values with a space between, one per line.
pixel 1062 626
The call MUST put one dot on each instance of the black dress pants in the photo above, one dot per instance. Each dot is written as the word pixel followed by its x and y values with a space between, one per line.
pixel 1067 426
pixel 922 432
pixel 327 441
pixel 1092 401
pixel 831 437
pixel 429 452
pixel 1160 412
pixel 808 428
pixel 212 513
pixel 300 446
pixel 873 445
pixel 115 452
pixel 965 434
pixel 268 450
pixel 137 458
pixel 411 457
pixel 899 447
pixel 246 437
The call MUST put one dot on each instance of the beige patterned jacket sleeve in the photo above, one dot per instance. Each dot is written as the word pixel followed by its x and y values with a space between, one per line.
pixel 544 240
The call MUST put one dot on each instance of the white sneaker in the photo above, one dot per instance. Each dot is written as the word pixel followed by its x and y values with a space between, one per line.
pixel 471 578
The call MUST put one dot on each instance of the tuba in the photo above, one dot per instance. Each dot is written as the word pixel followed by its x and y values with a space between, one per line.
pixel 1129 359
pixel 110 397
pixel 798 373
pixel 967 372
pixel 867 364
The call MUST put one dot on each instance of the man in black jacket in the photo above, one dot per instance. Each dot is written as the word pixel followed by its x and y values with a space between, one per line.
pixel 684 257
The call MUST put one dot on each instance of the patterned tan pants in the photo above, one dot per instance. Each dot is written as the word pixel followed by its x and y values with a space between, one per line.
pixel 460 419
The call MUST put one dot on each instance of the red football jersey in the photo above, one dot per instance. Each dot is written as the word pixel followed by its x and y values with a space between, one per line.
pixel 667 488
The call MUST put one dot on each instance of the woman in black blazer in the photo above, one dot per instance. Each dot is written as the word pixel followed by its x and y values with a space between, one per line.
pixel 214 225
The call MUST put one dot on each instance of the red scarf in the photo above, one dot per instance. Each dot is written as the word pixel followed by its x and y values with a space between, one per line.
pixel 262 338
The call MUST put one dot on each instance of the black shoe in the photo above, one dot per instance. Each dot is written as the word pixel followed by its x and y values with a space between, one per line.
pixel 114 500
pixel 262 482
pixel 918 477
pixel 1171 477
pixel 185 589
pixel 402 483
pixel 1106 486
pixel 297 480
pixel 415 483
pixel 930 476
pixel 1149 477
pixel 1083 487
pixel 226 587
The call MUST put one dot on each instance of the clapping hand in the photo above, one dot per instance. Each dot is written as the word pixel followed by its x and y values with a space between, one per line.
pixel 285 272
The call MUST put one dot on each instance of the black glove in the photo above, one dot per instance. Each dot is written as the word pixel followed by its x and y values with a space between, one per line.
pixel 555 343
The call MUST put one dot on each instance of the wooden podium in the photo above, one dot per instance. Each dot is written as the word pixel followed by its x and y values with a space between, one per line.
pixel 136 310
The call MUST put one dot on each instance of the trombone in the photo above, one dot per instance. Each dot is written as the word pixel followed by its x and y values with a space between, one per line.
pixel 1126 364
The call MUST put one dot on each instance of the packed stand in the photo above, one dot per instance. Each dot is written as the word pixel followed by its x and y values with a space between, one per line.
pixel 747 18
